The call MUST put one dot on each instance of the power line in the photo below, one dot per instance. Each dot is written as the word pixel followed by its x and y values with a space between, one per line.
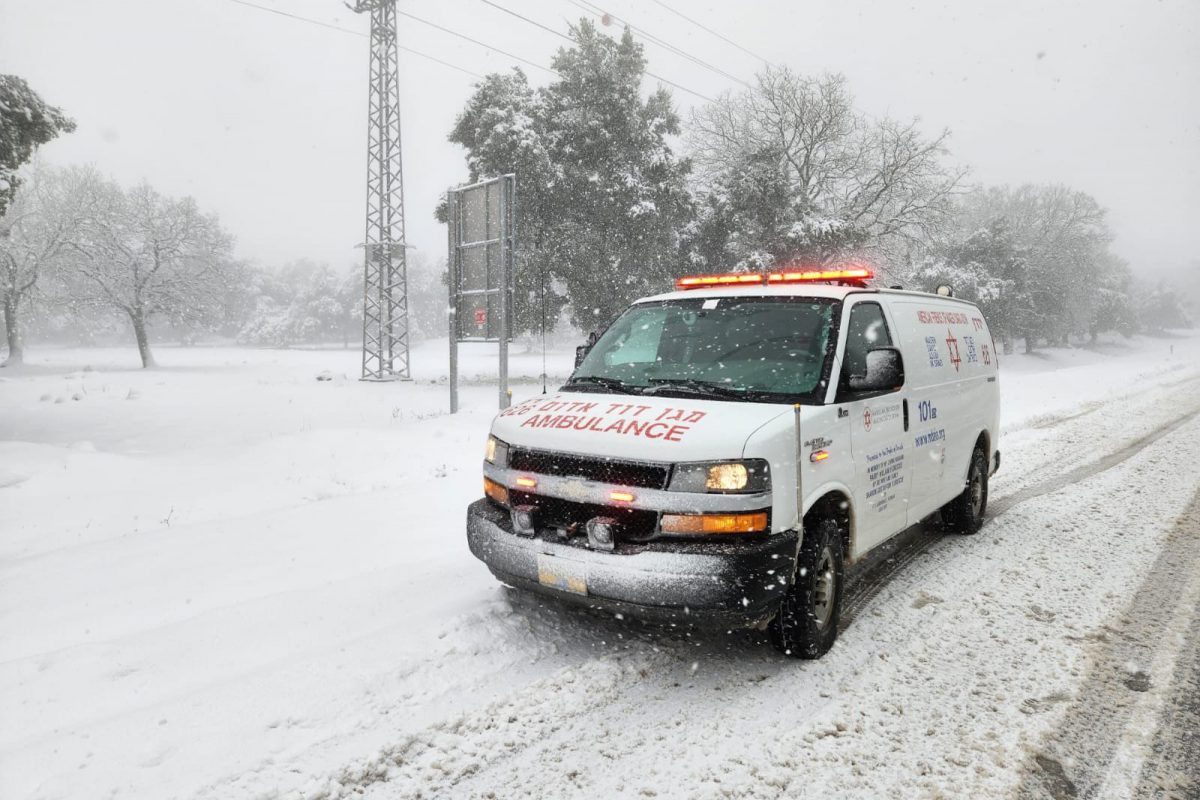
pixel 298 17
pixel 704 27
pixel 354 33
pixel 475 41
pixel 562 35
pixel 679 51
pixel 463 36
pixel 533 22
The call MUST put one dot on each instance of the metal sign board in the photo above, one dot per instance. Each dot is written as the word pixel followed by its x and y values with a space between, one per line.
pixel 482 240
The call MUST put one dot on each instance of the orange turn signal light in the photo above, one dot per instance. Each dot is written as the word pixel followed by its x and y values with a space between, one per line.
pixel 495 491
pixel 800 276
pixel 528 483
pixel 714 523
pixel 732 279
pixel 818 455
pixel 855 274
pixel 622 497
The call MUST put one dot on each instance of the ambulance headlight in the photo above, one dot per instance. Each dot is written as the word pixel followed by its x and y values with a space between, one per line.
pixel 746 476
pixel 496 452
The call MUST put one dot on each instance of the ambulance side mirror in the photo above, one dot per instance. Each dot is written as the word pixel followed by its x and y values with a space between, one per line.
pixel 582 350
pixel 885 372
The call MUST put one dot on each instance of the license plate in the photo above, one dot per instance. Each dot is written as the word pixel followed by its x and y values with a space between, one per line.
pixel 558 573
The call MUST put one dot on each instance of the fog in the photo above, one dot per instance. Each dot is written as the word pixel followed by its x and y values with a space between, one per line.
pixel 262 117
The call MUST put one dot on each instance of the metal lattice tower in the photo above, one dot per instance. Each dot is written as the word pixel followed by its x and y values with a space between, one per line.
pixel 385 274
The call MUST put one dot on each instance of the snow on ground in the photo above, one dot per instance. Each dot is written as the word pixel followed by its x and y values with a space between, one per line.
pixel 225 578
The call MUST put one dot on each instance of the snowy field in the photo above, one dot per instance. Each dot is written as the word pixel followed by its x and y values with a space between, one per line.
pixel 226 579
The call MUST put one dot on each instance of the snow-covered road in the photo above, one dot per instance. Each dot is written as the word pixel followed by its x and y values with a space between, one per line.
pixel 229 580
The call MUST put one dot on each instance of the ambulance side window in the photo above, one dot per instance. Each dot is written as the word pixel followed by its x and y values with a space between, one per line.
pixel 867 330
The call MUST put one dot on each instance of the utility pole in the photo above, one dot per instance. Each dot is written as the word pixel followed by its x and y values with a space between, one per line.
pixel 385 274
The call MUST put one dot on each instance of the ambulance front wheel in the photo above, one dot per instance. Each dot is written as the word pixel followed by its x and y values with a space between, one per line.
pixel 964 514
pixel 807 622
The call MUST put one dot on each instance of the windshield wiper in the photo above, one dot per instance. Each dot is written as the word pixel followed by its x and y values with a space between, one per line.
pixel 695 387
pixel 596 381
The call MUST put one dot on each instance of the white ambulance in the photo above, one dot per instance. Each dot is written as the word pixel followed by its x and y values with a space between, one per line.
pixel 721 453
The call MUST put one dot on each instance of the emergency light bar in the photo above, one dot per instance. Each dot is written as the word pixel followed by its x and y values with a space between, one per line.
pixel 732 279
pixel 849 275
pixel 853 274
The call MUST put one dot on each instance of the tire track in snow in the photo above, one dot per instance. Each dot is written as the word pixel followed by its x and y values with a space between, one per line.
pixel 432 762
pixel 1099 747
pixel 1043 421
pixel 1086 471
pixel 1042 454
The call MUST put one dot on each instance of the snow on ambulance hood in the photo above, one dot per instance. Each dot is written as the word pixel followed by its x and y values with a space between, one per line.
pixel 633 426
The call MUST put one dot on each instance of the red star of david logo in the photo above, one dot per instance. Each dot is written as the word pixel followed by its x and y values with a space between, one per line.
pixel 867 418
pixel 952 346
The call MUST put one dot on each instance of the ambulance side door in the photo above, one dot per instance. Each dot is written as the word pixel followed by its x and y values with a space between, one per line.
pixel 878 423
pixel 953 389
pixel 936 403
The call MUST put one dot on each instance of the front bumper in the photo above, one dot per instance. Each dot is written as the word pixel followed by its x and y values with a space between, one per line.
pixel 727 583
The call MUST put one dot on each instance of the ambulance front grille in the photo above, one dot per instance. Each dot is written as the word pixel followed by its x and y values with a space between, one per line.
pixel 602 470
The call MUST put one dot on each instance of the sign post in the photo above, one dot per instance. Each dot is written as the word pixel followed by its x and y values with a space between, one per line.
pixel 482 242
pixel 452 312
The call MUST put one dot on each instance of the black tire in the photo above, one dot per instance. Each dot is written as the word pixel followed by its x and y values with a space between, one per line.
pixel 807 622
pixel 964 514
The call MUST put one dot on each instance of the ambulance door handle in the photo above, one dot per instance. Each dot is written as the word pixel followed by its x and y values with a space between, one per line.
pixel 906 414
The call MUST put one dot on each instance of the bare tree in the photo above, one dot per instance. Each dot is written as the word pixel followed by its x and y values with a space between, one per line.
pixel 147 255
pixel 36 234
pixel 790 169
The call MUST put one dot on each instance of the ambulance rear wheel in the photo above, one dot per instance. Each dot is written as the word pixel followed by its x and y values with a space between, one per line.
pixel 807 622
pixel 964 514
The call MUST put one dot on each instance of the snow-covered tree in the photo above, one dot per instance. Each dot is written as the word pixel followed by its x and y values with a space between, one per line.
pixel 987 267
pixel 503 131
pixel 1064 237
pixel 305 302
pixel 602 192
pixel 1112 305
pixel 428 297
pixel 36 235
pixel 148 256
pixel 622 189
pixel 789 171
pixel 350 290
pixel 1037 260
pixel 1161 308
pixel 319 310
pixel 26 121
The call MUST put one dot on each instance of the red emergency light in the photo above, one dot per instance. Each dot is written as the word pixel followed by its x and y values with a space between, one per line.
pixel 845 274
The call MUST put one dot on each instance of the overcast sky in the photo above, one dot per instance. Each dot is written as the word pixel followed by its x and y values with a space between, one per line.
pixel 262 118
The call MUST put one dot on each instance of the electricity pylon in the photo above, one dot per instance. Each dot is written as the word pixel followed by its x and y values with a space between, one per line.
pixel 385 274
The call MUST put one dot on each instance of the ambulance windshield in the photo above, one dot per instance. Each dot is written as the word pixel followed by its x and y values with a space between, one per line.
pixel 766 349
